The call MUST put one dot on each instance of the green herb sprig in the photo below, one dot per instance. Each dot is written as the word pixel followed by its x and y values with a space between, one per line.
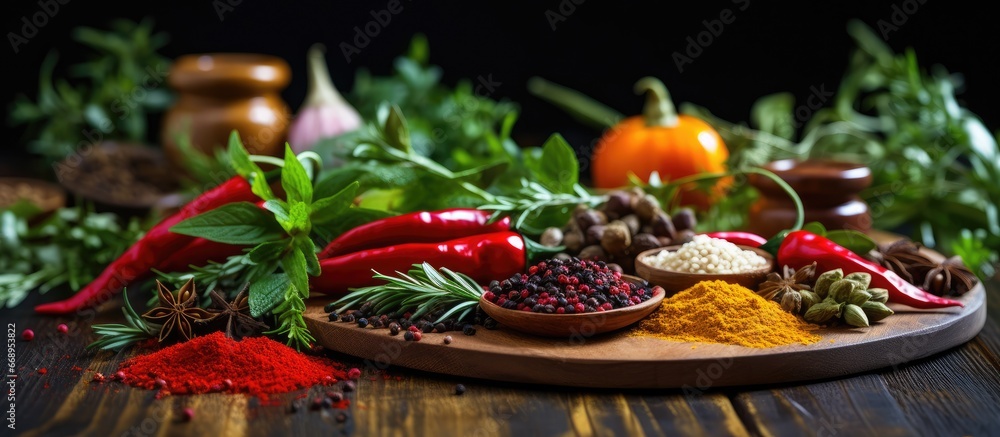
pixel 280 234
pixel 422 290
pixel 117 336
pixel 70 247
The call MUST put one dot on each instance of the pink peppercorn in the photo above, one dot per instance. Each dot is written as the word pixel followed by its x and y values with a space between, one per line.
pixel 187 414
pixel 62 328
pixel 28 335
pixel 355 372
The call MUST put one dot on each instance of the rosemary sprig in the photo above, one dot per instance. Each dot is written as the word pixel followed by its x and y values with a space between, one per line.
pixel 229 275
pixel 117 336
pixel 534 199
pixel 423 290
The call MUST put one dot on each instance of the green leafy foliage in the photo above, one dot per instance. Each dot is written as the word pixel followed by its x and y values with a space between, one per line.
pixel 104 98
pixel 70 247
pixel 422 290
pixel 934 164
pixel 235 223
pixel 117 336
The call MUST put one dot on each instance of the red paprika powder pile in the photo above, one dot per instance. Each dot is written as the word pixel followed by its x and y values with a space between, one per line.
pixel 215 363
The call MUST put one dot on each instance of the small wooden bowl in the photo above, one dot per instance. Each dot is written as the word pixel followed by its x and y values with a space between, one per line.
pixel 46 196
pixel 574 325
pixel 673 282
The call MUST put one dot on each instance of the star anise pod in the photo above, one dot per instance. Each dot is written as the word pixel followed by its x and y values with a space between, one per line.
pixel 790 289
pixel 948 278
pixel 176 312
pixel 239 322
pixel 900 256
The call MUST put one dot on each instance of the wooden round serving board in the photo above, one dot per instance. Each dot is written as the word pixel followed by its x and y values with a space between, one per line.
pixel 615 360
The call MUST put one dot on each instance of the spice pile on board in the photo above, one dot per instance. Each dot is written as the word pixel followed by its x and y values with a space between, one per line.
pixel 719 312
pixel 215 363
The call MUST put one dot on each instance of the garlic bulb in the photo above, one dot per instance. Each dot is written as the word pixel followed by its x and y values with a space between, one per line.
pixel 324 113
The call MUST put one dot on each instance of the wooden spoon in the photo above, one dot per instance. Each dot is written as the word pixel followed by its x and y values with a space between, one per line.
pixel 581 325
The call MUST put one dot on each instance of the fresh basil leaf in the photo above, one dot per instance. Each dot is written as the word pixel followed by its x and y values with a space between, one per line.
pixel 294 265
pixel 308 249
pixel 239 159
pixel 329 208
pixel 271 250
pixel 294 179
pixel 815 227
pixel 280 210
pixel 267 293
pixel 855 241
pixel 397 133
pixel 298 217
pixel 260 187
pixel 558 168
pixel 235 223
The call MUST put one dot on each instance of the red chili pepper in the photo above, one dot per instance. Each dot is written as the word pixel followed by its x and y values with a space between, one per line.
pixel 198 253
pixel 740 238
pixel 801 248
pixel 417 227
pixel 150 250
pixel 483 257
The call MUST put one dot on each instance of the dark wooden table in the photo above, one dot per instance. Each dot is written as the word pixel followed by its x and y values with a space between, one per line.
pixel 953 393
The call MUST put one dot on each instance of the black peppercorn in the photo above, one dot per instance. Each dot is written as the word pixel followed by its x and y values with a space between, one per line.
pixel 333 317
pixel 362 322
pixel 469 330
pixel 394 328
pixel 408 335
pixel 459 389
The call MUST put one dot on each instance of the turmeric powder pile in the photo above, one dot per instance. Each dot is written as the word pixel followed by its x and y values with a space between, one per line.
pixel 719 312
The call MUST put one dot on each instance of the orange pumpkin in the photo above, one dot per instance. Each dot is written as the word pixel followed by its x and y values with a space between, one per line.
pixel 660 140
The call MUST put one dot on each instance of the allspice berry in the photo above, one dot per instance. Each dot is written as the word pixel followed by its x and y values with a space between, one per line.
pixel 663 226
pixel 633 223
pixel 617 238
pixel 593 253
pixel 595 234
pixel 642 243
pixel 586 219
pixel 619 204
pixel 645 206
pixel 684 219
pixel 573 241
pixel 552 237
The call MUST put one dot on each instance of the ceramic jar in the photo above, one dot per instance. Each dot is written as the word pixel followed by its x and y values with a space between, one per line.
pixel 829 191
pixel 224 91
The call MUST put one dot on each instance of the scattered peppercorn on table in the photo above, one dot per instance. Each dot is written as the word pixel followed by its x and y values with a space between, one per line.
pixel 939 395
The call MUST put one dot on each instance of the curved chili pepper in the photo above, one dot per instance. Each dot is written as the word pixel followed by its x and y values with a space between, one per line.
pixel 150 250
pixel 417 227
pixel 198 253
pixel 483 257
pixel 740 238
pixel 801 248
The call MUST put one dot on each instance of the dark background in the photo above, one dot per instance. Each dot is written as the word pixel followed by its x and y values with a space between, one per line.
pixel 601 47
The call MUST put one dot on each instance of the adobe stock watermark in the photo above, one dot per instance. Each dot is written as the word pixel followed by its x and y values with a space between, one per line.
pixel 898 17
pixel 11 368
pixel 714 28
pixel 363 35
pixel 563 10
pixel 485 86
pixel 223 7
pixel 31 26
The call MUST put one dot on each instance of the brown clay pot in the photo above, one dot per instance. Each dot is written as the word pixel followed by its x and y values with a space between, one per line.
pixel 220 92
pixel 828 189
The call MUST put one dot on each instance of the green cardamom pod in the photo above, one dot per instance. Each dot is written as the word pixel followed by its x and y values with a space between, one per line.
pixel 879 294
pixel 823 312
pixel 824 281
pixel 865 279
pixel 855 316
pixel 841 290
pixel 791 302
pixel 858 297
pixel 876 310
pixel 809 299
